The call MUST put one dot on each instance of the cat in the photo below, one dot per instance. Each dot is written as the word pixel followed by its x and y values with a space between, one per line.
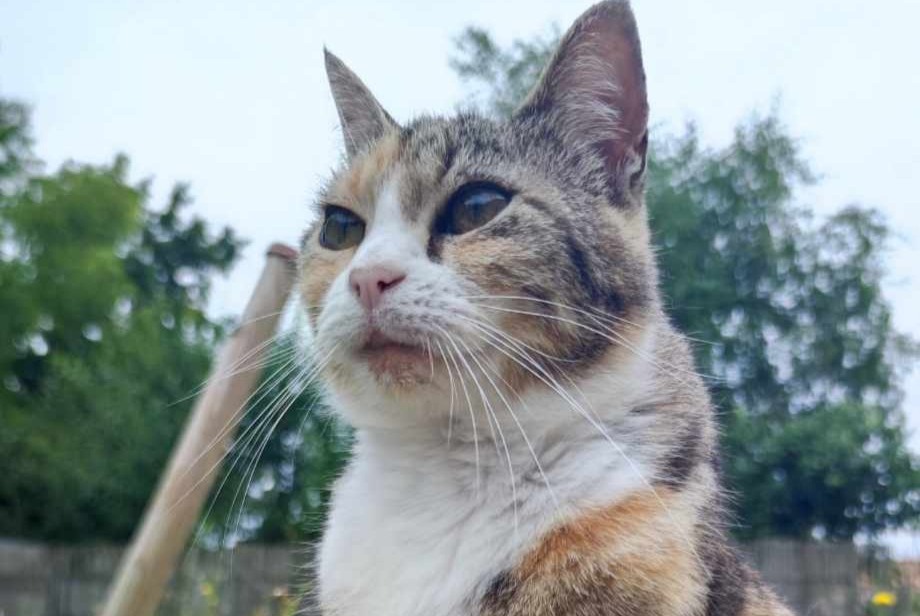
pixel 531 437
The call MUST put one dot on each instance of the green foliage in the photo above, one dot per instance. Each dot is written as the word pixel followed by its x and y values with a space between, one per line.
pixel 174 259
pixel 103 329
pixel 789 315
pixel 103 341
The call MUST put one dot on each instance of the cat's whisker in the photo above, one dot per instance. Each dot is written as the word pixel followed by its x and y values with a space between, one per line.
pixel 517 422
pixel 613 332
pixel 450 377
pixel 240 453
pixel 266 428
pixel 283 405
pixel 243 444
pixel 501 434
pixel 609 335
pixel 469 403
pixel 610 319
pixel 287 365
pixel 247 437
pixel 614 319
pixel 231 370
pixel 288 368
pixel 619 319
pixel 279 408
pixel 512 340
pixel 600 317
pixel 482 397
pixel 430 356
pixel 530 348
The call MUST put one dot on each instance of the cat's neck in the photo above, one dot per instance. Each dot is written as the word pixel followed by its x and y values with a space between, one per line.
pixel 481 432
pixel 579 445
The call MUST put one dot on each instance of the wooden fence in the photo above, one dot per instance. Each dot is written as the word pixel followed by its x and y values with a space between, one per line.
pixel 261 580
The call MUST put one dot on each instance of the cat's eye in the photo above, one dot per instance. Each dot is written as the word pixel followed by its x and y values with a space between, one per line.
pixel 471 207
pixel 341 229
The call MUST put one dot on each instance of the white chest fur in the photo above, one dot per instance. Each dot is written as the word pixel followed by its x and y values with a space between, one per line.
pixel 411 532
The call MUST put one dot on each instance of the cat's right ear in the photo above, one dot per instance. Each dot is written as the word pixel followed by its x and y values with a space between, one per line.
pixel 593 93
pixel 362 118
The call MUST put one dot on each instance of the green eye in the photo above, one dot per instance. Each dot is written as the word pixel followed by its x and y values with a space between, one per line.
pixel 471 207
pixel 341 229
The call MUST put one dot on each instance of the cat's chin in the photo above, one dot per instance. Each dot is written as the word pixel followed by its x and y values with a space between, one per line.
pixel 397 364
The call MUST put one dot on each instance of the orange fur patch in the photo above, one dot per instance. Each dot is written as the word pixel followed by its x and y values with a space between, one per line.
pixel 358 187
pixel 583 536
pixel 632 546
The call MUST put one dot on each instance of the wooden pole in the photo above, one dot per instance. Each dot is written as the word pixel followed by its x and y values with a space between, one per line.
pixel 173 513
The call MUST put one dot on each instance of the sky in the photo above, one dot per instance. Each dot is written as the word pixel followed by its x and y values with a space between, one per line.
pixel 231 97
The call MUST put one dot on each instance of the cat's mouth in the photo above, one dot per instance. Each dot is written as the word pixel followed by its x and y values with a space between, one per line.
pixel 387 355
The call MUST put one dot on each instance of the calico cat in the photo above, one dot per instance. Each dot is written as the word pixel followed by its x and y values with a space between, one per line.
pixel 531 436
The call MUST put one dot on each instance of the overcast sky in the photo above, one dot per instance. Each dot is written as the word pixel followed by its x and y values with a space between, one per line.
pixel 231 96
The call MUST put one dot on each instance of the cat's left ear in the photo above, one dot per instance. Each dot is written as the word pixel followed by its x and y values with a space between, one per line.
pixel 593 92
pixel 363 119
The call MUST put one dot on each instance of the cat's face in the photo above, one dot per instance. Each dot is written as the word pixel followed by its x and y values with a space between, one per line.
pixel 451 248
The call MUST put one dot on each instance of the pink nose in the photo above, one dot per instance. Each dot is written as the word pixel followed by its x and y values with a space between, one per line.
pixel 370 282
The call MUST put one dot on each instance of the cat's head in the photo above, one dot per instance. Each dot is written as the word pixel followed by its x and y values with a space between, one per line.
pixel 512 248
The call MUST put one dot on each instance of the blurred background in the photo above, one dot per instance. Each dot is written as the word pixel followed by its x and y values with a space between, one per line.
pixel 150 152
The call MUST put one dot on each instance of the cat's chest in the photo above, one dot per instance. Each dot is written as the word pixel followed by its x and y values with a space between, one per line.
pixel 431 551
pixel 427 536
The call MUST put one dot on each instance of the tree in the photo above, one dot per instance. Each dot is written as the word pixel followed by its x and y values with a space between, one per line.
pixel 103 330
pixel 103 343
pixel 790 317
